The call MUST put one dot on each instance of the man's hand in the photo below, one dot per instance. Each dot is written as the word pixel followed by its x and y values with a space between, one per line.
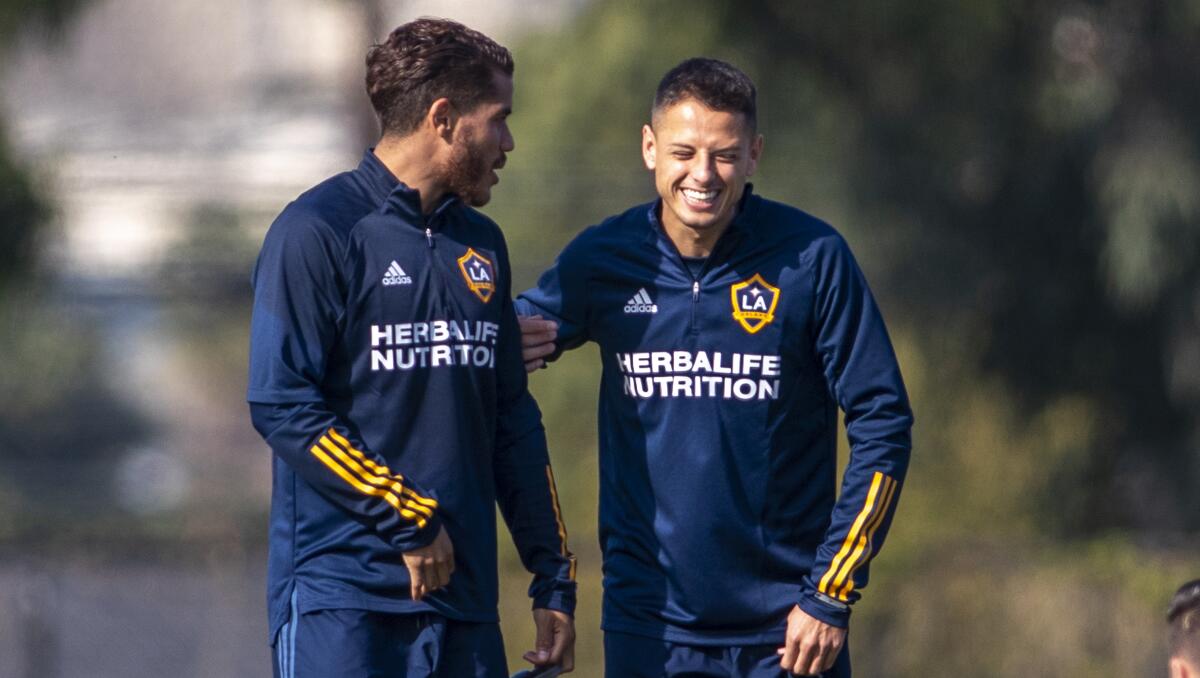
pixel 811 646
pixel 430 567
pixel 555 640
pixel 537 340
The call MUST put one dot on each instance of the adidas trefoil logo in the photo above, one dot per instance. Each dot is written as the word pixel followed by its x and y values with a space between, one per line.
pixel 396 276
pixel 641 303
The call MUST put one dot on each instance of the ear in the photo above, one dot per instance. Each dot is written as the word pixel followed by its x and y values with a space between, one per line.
pixel 441 118
pixel 756 148
pixel 648 147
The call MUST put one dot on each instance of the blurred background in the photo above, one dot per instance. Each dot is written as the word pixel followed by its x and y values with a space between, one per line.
pixel 1020 181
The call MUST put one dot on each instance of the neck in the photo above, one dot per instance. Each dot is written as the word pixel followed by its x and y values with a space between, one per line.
pixel 409 161
pixel 693 242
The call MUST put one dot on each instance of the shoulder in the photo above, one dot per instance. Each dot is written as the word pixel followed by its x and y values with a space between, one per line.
pixel 334 205
pixel 480 221
pixel 315 228
pixel 324 213
pixel 794 232
pixel 785 222
pixel 613 235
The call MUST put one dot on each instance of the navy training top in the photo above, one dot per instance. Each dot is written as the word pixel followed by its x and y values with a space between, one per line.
pixel 386 375
pixel 718 421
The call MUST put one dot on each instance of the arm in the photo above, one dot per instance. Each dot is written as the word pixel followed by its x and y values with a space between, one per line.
pixel 554 314
pixel 528 497
pixel 862 373
pixel 297 310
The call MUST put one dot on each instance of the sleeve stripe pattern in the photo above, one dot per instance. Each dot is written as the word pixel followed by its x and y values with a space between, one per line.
pixel 562 526
pixel 838 580
pixel 390 488
pixel 382 470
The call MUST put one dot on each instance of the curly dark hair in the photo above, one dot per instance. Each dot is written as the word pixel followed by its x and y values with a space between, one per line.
pixel 425 60
pixel 1183 614
pixel 717 84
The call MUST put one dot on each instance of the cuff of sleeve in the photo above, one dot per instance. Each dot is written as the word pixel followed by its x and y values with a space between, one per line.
pixel 413 539
pixel 825 609
pixel 560 598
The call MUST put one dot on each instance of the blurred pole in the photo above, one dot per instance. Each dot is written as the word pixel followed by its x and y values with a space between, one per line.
pixel 39 639
pixel 374 29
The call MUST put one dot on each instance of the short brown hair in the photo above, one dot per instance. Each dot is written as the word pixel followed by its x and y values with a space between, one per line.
pixel 717 84
pixel 425 60
pixel 1183 615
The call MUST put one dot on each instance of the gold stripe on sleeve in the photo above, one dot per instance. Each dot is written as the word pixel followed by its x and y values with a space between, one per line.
pixel 865 548
pixel 381 470
pixel 364 488
pixel 562 526
pixel 852 535
pixel 386 483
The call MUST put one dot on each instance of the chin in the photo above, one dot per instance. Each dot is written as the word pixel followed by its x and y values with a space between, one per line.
pixel 701 221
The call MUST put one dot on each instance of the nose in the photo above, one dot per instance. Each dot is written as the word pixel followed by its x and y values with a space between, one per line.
pixel 507 143
pixel 702 169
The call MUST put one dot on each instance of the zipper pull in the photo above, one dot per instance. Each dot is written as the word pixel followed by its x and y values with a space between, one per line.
pixel 695 290
pixel 429 237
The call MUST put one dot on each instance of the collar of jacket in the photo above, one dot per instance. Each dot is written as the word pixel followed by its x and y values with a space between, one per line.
pixel 741 226
pixel 397 197
pixel 378 178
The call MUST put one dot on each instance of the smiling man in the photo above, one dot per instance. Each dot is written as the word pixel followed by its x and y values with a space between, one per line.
pixel 731 329
pixel 386 376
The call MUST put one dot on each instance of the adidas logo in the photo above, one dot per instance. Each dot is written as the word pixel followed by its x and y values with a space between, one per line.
pixel 396 276
pixel 641 303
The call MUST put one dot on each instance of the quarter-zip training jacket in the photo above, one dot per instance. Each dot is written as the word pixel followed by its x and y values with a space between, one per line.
pixel 718 421
pixel 386 376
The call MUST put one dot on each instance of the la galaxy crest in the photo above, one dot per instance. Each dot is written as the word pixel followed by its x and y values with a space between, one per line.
pixel 479 273
pixel 754 302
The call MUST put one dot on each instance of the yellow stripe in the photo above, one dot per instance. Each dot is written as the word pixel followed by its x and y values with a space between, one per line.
pixel 389 493
pixel 863 552
pixel 363 474
pixel 861 541
pixel 852 535
pixel 381 470
pixel 562 526
pixel 366 489
pixel 865 546
pixel 390 482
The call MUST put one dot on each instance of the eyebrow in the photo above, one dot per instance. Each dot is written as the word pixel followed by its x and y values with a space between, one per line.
pixel 688 147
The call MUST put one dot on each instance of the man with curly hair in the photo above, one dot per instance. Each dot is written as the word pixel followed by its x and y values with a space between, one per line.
pixel 386 376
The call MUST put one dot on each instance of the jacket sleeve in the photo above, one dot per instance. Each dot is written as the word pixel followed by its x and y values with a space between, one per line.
pixel 864 377
pixel 298 306
pixel 525 486
pixel 561 296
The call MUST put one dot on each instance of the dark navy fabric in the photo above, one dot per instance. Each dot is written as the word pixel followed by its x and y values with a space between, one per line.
pixel 362 644
pixel 386 375
pixel 718 421
pixel 695 265
pixel 633 656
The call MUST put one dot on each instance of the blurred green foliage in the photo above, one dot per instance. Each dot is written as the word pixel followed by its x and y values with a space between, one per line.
pixel 1019 181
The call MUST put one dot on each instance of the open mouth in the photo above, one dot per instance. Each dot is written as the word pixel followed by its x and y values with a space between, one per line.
pixel 700 199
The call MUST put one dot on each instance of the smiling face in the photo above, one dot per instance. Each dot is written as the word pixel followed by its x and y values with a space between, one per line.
pixel 481 142
pixel 701 159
